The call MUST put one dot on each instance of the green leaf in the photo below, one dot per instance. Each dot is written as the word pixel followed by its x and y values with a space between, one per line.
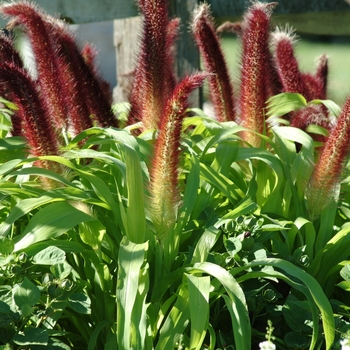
pixel 4 308
pixel 49 256
pixel 235 299
pixel 312 288
pixel 26 293
pixel 51 222
pixel 95 334
pixel 135 214
pixel 131 281
pixel 297 315
pixel 80 303
pixel 284 103
pixel 6 245
pixel 233 245
pixel 176 321
pixel 345 272
pixel 345 285
pixel 297 341
pixel 61 270
pixel 205 244
pixel 198 293
pixel 32 336
pixel 245 207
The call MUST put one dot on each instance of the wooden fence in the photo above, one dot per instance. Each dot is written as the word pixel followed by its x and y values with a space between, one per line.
pixel 330 17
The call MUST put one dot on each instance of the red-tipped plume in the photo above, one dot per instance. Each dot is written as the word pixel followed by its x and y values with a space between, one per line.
pixel 326 175
pixel 255 72
pixel 154 77
pixel 164 172
pixel 46 58
pixel 33 118
pixel 221 89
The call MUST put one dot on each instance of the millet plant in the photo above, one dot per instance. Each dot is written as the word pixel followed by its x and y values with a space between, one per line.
pixel 177 230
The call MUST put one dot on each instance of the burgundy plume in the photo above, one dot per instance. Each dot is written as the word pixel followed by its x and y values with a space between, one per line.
pixel 221 89
pixel 255 72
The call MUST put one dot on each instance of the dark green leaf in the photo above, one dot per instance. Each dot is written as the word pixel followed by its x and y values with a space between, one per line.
pixel 80 302
pixel 32 336
pixel 297 341
pixel 297 315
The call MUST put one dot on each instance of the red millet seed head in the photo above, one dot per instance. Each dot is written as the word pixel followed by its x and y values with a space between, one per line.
pixel 255 73
pixel 37 26
pixel 287 65
pixel 221 89
pixel 153 82
pixel 164 173
pixel 327 172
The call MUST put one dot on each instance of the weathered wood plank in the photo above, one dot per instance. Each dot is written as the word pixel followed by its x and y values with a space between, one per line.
pixel 126 42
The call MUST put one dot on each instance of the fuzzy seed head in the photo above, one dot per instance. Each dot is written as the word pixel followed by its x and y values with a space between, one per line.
pixel 221 89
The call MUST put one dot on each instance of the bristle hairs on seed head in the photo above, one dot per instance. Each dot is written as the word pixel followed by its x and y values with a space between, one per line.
pixel 201 11
pixel 284 33
pixel 257 5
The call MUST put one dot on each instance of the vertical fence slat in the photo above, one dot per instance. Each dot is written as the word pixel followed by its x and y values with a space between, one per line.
pixel 126 42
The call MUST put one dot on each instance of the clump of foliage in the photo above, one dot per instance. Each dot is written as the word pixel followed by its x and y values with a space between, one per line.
pixel 178 230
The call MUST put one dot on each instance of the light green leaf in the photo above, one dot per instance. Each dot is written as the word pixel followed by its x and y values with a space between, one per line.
pixel 345 272
pixel 26 293
pixel 50 222
pixel 284 103
pixel 205 244
pixel 135 213
pixel 61 270
pixel 6 245
pixel 176 321
pixel 130 262
pixel 49 256
pixel 198 292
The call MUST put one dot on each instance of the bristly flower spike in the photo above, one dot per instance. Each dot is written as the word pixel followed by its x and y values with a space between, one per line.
pixel 34 119
pixel 283 41
pixel 164 194
pixel 293 80
pixel 255 72
pixel 29 15
pixel 9 55
pixel 221 89
pixel 326 175
pixel 81 88
pixel 151 87
pixel 322 73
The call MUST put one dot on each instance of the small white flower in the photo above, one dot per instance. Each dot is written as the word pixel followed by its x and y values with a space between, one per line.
pixel 267 345
pixel 345 345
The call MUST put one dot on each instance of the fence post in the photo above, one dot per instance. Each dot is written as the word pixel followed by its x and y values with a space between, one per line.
pixel 126 42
